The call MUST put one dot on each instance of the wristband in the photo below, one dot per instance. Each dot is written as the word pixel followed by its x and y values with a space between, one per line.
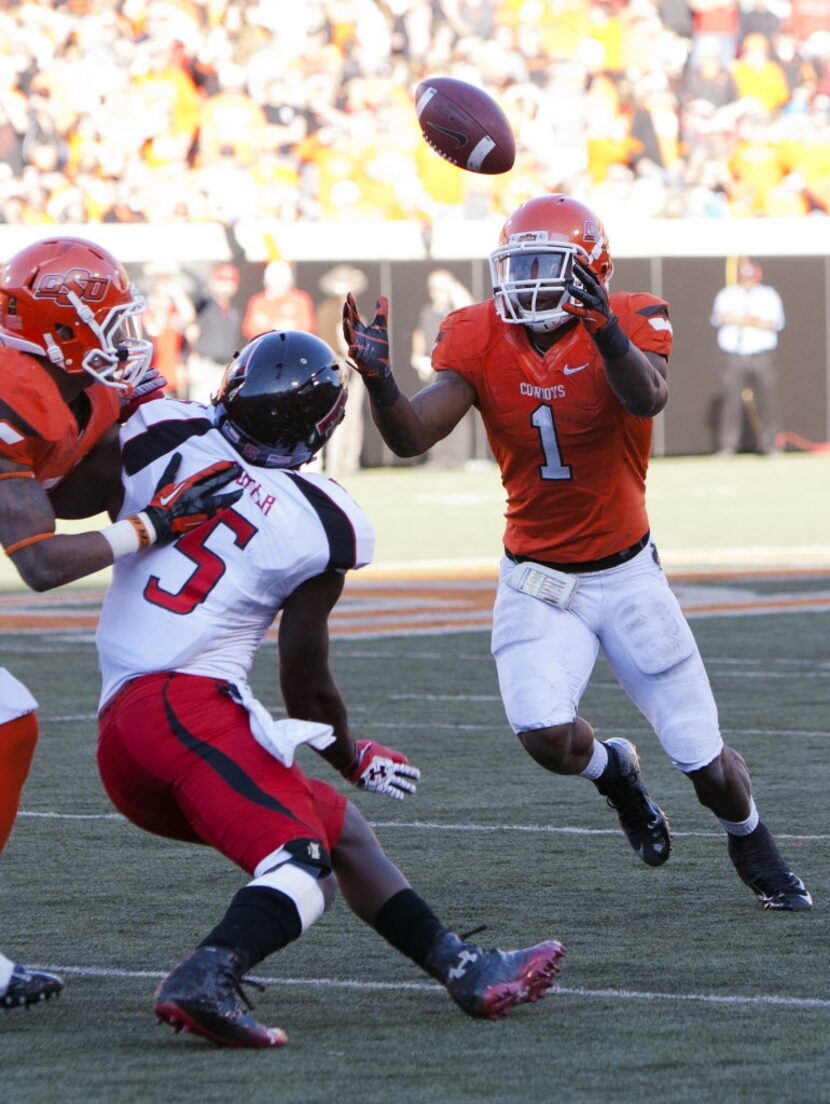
pixel 611 341
pixel 383 390
pixel 130 535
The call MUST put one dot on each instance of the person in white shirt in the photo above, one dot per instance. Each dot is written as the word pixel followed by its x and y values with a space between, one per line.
pixel 185 749
pixel 749 316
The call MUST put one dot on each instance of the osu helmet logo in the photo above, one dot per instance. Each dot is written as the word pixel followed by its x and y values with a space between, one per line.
pixel 81 282
pixel 591 231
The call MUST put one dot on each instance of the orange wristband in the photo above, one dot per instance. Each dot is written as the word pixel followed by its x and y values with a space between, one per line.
pixel 145 538
pixel 12 548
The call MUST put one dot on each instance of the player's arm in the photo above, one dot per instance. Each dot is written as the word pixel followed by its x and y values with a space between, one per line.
pixel 409 427
pixel 311 694
pixel 94 485
pixel 45 559
pixel 308 687
pixel 637 377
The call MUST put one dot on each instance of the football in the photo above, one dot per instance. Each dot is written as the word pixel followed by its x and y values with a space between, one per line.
pixel 465 125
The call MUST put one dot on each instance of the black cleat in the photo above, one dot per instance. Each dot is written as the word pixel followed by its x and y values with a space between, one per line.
pixel 761 867
pixel 488 984
pixel 643 821
pixel 27 986
pixel 203 994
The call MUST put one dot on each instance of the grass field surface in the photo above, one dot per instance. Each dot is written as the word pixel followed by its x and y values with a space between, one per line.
pixel 676 986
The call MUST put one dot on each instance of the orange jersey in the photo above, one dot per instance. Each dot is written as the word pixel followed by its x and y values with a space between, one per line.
pixel 37 428
pixel 573 462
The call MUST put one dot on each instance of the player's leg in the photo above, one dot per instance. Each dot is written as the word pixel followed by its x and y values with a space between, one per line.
pixel 178 758
pixel 484 983
pixel 20 986
pixel 18 738
pixel 653 653
pixel 545 656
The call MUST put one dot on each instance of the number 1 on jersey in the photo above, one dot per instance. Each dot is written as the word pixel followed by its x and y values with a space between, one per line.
pixel 553 468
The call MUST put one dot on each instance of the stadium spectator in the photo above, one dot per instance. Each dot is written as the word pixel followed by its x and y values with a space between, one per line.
pixel 203 112
pixel 343 451
pixel 748 316
pixel 186 751
pixel 216 333
pixel 444 294
pixel 758 76
pixel 566 381
pixel 280 305
pixel 71 365
pixel 168 317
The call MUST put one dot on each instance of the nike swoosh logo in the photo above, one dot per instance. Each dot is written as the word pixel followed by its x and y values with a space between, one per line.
pixel 164 499
pixel 573 371
pixel 460 138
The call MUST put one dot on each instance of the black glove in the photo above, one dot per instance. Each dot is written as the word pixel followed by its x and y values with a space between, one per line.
pixel 593 309
pixel 176 508
pixel 369 349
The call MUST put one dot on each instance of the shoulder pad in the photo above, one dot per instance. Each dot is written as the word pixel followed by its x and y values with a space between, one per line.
pixel 465 334
pixel 645 319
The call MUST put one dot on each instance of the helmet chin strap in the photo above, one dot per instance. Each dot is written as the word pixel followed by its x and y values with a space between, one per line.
pixel 547 326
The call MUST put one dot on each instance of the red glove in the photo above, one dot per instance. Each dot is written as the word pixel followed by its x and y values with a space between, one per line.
pixel 369 349
pixel 590 304
pixel 381 770
pixel 176 508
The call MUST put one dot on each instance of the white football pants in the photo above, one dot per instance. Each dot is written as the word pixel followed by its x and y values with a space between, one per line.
pixel 545 656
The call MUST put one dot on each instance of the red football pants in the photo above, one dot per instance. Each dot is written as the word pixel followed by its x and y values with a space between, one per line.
pixel 177 758
pixel 17 746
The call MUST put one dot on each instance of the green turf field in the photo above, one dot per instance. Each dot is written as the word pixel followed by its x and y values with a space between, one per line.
pixel 706 512
pixel 676 986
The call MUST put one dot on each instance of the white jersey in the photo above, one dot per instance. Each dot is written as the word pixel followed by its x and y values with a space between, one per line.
pixel 202 605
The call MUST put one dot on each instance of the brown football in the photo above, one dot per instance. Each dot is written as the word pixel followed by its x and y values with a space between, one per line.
pixel 465 125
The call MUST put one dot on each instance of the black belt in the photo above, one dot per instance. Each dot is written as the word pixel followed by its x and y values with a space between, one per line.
pixel 587 565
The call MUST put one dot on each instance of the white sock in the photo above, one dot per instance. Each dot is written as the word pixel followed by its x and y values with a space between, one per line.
pixel 6 967
pixel 597 763
pixel 742 827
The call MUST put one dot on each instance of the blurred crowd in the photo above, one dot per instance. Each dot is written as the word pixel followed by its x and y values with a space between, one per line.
pixel 248 110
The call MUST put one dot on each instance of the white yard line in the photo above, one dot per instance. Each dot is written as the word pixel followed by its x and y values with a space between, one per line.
pixel 439 826
pixel 762 999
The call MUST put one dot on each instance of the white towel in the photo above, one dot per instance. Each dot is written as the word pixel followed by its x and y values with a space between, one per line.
pixel 281 738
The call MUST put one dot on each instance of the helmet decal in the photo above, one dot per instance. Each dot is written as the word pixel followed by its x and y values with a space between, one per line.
pixel 79 283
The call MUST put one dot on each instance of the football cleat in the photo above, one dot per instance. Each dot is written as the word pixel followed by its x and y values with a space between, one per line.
pixel 761 867
pixel 203 994
pixel 643 822
pixel 488 984
pixel 27 986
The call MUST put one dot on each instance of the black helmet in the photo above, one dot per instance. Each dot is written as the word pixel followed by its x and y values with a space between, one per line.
pixel 281 399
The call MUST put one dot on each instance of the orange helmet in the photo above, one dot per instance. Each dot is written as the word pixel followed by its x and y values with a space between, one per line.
pixel 71 301
pixel 537 248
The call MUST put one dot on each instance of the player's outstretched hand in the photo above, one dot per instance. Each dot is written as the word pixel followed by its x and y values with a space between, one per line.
pixel 381 770
pixel 150 386
pixel 176 508
pixel 368 345
pixel 592 306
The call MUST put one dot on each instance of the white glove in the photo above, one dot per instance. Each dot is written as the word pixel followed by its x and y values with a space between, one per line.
pixel 149 387
pixel 381 770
